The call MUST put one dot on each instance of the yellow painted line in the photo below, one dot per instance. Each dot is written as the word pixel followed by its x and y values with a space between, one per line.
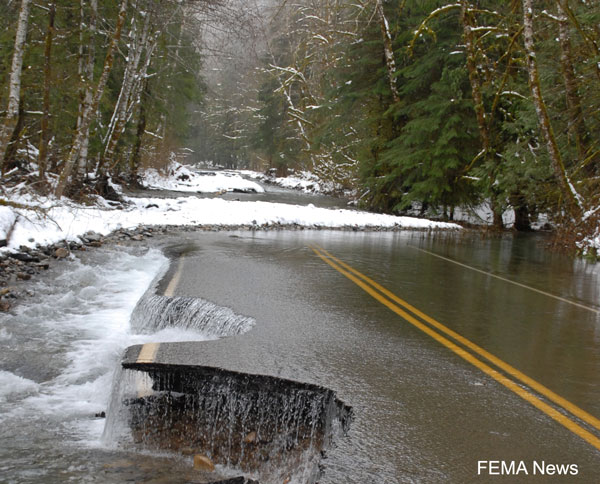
pixel 170 290
pixel 530 382
pixel 532 399
pixel 525 286
pixel 148 353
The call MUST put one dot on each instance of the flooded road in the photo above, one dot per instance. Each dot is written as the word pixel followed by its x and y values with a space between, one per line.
pixel 422 413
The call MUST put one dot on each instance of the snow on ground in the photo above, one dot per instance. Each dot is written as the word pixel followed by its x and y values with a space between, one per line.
pixel 591 243
pixel 181 178
pixel 302 180
pixel 305 181
pixel 66 220
pixel 7 219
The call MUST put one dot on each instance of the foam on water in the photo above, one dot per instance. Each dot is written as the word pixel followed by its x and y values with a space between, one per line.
pixel 4 335
pixel 58 353
pixel 12 385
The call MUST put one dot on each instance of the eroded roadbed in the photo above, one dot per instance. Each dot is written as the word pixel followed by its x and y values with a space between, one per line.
pixel 271 429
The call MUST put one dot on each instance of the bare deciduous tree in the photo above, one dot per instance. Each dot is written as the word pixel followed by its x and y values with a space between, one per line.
pixel 14 95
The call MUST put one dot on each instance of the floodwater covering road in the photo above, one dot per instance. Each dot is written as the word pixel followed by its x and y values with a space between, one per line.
pixel 423 411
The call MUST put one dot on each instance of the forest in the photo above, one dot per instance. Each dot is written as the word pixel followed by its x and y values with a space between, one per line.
pixel 408 105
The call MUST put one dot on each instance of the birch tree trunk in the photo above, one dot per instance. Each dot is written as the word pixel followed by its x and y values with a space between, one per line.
pixel 139 43
pixel 44 135
pixel 90 109
pixel 14 94
pixel 86 72
pixel 571 198
pixel 388 49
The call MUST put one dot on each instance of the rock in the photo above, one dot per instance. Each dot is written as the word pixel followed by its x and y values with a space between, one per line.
pixel 251 437
pixel 23 276
pixel 24 257
pixel 152 205
pixel 203 463
pixel 92 236
pixel 4 291
pixel 137 238
pixel 61 253
pixel 44 264
pixel 4 306
pixel 95 243
pixel 101 415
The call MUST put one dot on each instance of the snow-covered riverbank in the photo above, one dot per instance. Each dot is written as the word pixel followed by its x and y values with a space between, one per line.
pixel 65 220
pixel 182 178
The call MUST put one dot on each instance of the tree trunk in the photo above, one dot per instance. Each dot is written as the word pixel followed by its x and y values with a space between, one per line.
pixel 134 162
pixel 474 77
pixel 13 142
pixel 119 118
pixel 388 49
pixel 44 135
pixel 90 109
pixel 576 120
pixel 86 71
pixel 14 93
pixel 476 94
pixel 572 200
pixel 519 205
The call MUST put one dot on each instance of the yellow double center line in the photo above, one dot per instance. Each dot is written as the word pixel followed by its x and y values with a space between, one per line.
pixel 400 307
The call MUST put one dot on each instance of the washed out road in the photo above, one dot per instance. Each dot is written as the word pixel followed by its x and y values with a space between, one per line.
pixel 450 350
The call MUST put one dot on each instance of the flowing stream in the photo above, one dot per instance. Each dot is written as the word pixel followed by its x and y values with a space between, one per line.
pixel 61 351
pixel 58 353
